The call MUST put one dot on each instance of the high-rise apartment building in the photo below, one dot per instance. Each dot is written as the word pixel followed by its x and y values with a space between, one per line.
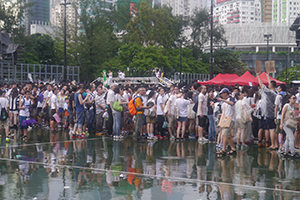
pixel 57 11
pixel 38 12
pixel 285 11
pixel 184 7
pixel 237 11
pixel 266 11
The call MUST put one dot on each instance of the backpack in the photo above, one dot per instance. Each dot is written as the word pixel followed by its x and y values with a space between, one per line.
pixel 195 107
pixel 3 114
pixel 284 100
pixel 131 106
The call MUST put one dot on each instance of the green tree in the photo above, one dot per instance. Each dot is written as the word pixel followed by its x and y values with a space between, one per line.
pixel 153 26
pixel 292 74
pixel 226 61
pixel 96 42
pixel 39 49
pixel 200 27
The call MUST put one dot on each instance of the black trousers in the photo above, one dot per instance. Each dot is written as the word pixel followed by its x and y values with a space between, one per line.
pixel 110 121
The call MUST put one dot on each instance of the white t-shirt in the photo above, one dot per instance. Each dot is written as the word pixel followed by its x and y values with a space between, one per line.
pixel 228 109
pixel 25 112
pixel 182 106
pixel 157 74
pixel 298 98
pixel 125 96
pixel 46 95
pixel 60 101
pixel 173 102
pixel 54 100
pixel 204 108
pixel 110 96
pixel 3 103
pixel 160 100
pixel 278 103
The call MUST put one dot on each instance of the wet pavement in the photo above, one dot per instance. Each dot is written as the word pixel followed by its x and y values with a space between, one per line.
pixel 51 166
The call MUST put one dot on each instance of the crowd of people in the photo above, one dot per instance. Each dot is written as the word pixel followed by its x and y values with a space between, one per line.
pixel 207 113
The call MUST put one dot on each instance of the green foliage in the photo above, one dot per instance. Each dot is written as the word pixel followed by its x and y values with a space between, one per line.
pixel 227 61
pixel 292 74
pixel 153 26
pixel 138 60
pixel 39 49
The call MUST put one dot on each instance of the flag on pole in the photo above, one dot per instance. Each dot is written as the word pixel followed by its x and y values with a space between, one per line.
pixel 104 78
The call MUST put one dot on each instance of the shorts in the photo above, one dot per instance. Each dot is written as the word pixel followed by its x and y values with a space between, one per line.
pixel 229 132
pixel 182 119
pixel 38 110
pixel 80 118
pixel 61 110
pixel 151 120
pixel 202 121
pixel 172 121
pixel 240 124
pixel 33 112
pixel 262 124
pixel 14 112
pixel 270 123
pixel 21 119
pixel 46 110
pixel 278 130
pixel 53 111
pixel 4 123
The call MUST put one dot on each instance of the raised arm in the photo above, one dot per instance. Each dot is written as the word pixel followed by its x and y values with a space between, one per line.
pixel 260 82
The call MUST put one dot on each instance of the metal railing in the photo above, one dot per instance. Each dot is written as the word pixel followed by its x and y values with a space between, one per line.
pixel 190 77
pixel 20 71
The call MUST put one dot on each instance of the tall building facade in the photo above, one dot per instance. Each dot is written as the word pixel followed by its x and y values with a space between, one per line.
pixel 237 11
pixel 38 12
pixel 266 7
pixel 184 7
pixel 285 11
pixel 57 12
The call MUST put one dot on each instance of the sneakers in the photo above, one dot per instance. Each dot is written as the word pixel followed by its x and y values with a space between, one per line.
pixel 202 139
pixel 100 134
pixel 192 137
pixel 81 136
pixel 267 144
pixel 243 147
pixel 25 138
pixel 86 134
pixel 237 147
pixel 7 139
pixel 172 138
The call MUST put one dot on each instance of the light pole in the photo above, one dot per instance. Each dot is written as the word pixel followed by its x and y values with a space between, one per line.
pixel 211 60
pixel 65 38
pixel 268 38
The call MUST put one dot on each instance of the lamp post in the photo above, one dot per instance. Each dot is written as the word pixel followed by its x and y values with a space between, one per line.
pixel 65 38
pixel 211 60
pixel 268 38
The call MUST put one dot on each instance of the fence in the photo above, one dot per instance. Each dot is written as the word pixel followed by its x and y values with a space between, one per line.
pixel 19 72
pixel 190 77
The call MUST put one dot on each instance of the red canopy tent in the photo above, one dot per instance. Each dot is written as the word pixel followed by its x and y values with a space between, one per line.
pixel 264 79
pixel 221 79
pixel 245 79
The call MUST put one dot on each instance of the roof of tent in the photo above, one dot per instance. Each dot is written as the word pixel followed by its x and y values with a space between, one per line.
pixel 221 79
pixel 264 79
pixel 245 79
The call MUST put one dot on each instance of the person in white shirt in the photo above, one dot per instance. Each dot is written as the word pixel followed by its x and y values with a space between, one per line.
pixel 171 112
pixel 228 110
pixel 182 106
pixel 202 113
pixel 4 104
pixel 24 106
pixel 100 109
pixel 46 107
pixel 109 102
pixel 54 108
pixel 160 112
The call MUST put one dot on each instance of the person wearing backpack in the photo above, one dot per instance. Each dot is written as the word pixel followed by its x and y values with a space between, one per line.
pixel 138 102
pixel 280 101
pixel 4 108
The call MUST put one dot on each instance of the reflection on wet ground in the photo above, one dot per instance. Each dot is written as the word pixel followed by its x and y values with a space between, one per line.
pixel 53 167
